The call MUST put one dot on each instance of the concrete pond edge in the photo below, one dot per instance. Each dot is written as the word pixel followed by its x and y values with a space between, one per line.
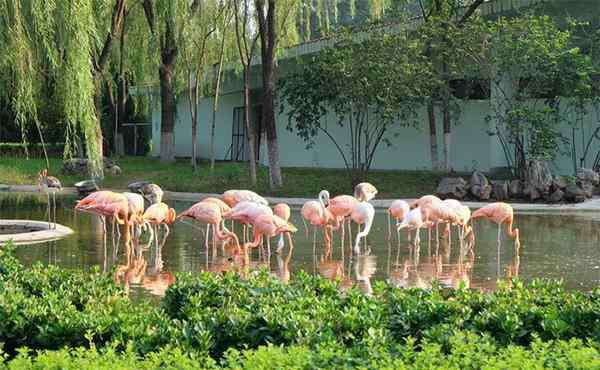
pixel 592 205
pixel 44 232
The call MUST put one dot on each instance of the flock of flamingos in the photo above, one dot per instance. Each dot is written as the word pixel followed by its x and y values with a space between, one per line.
pixel 127 212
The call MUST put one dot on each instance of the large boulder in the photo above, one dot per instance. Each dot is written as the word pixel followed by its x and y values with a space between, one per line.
pixel 86 187
pixel 539 176
pixel 79 167
pixel 585 175
pixel 531 192
pixel 151 192
pixel 500 190
pixel 452 187
pixel 515 189
pixel 480 186
pixel 575 193
pixel 559 182
pixel 556 196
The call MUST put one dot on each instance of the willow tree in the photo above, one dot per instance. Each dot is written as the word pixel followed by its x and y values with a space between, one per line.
pixel 167 20
pixel 63 45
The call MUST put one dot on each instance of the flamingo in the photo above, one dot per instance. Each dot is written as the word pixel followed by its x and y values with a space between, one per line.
pixel 365 191
pixel 210 213
pixel 233 197
pixel 464 215
pixel 413 221
pixel 284 212
pixel 317 214
pixel 397 210
pixel 425 200
pixel 49 184
pixel 435 213
pixel 341 208
pixel 270 226
pixel 159 214
pixel 501 214
pixel 363 213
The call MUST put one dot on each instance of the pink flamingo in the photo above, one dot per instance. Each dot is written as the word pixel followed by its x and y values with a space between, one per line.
pixel 413 221
pixel 435 213
pixel 464 215
pixel 341 208
pixel 284 212
pixel 159 214
pixel 318 215
pixel 245 212
pixel 501 214
pixel 233 197
pixel 365 191
pixel 270 226
pixel 363 213
pixel 425 200
pixel 397 210
pixel 210 213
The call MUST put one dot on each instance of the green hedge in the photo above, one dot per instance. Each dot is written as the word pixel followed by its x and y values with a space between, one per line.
pixel 466 352
pixel 228 321
pixel 35 150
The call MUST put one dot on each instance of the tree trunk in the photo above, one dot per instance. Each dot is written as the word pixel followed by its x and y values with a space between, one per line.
pixel 216 105
pixel 268 38
pixel 447 135
pixel 168 108
pixel 193 101
pixel 433 145
pixel 96 170
pixel 249 128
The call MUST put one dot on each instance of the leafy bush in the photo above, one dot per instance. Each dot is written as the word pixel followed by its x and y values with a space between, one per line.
pixel 467 351
pixel 34 150
pixel 262 323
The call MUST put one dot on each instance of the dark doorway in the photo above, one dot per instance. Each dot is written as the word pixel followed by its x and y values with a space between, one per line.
pixel 239 133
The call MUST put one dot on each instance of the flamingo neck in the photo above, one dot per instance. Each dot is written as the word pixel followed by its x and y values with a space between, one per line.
pixel 368 225
pixel 324 198
pixel 513 233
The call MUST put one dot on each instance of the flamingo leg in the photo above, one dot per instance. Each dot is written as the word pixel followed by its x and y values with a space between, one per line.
pixel 54 210
pixel 343 232
pixel 269 247
pixel 207 236
pixel 291 244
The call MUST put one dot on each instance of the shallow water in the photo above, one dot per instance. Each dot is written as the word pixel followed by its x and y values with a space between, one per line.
pixel 560 246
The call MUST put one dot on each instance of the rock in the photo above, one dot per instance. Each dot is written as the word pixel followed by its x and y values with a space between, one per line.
pixel 79 166
pixel 587 175
pixel 85 187
pixel 531 192
pixel 515 189
pixel 574 193
pixel 152 193
pixel 559 182
pixel 114 170
pixel 539 176
pixel 452 187
pixel 480 186
pixel 556 196
pixel 587 187
pixel 500 190
pixel 136 187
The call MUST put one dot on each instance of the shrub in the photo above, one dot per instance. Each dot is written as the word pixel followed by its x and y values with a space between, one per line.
pixel 33 150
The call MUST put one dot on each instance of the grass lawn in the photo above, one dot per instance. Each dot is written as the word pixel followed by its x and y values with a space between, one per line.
pixel 299 182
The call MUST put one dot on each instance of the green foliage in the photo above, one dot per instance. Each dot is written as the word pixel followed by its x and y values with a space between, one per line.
pixel 369 85
pixel 539 78
pixel 28 149
pixel 82 320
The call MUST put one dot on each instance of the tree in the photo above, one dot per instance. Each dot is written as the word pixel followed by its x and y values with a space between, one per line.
pixel 537 77
pixel 167 20
pixel 274 23
pixel 450 44
pixel 62 46
pixel 369 85
pixel 246 44
pixel 198 46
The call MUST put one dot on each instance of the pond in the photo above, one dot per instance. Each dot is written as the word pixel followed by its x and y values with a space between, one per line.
pixel 559 246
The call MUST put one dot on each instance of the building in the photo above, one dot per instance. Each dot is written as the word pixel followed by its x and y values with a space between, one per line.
pixel 473 145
